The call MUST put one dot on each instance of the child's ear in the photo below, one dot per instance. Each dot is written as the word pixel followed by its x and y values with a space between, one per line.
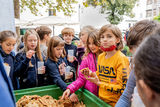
pixel 118 40
pixel 45 36
pixel 149 94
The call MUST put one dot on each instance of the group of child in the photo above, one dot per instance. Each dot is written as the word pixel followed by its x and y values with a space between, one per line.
pixel 97 63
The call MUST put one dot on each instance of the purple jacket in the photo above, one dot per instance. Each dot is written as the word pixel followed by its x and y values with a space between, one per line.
pixel 90 62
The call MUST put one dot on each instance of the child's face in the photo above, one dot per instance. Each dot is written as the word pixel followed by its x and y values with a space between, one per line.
pixel 84 36
pixel 47 37
pixel 57 51
pixel 32 42
pixel 68 38
pixel 8 45
pixel 108 39
pixel 93 48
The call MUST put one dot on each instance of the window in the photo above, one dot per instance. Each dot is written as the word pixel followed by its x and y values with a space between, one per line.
pixel 154 12
pixel 148 13
pixel 52 12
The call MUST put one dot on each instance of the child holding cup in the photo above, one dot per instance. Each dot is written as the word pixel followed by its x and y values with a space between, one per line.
pixel 71 50
pixel 55 64
pixel 27 62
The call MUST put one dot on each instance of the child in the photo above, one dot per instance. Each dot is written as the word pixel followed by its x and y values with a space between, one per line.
pixel 137 33
pixel 44 33
pixel 147 67
pixel 27 62
pixel 6 91
pixel 68 35
pixel 7 43
pixel 112 66
pixel 54 59
pixel 90 61
pixel 83 35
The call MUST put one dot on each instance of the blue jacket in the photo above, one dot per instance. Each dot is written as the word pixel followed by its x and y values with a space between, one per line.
pixel 53 73
pixel 10 59
pixel 6 90
pixel 72 47
pixel 29 76
pixel 125 99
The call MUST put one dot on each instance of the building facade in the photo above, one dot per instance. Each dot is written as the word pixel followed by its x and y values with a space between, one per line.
pixel 152 8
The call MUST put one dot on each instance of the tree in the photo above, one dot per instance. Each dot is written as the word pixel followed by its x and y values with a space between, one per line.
pixel 157 18
pixel 59 5
pixel 115 9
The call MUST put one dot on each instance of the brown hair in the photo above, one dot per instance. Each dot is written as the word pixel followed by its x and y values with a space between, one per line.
pixel 86 29
pixel 68 31
pixel 147 62
pixel 94 36
pixel 25 49
pixel 116 31
pixel 6 34
pixel 42 31
pixel 139 31
pixel 54 42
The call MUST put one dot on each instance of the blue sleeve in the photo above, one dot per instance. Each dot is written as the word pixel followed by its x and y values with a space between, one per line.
pixel 55 76
pixel 125 99
pixel 21 64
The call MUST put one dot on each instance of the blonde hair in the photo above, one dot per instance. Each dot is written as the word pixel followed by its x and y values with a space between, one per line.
pixel 25 49
pixel 54 42
pixel 116 31
pixel 86 29
pixel 67 31
pixel 94 36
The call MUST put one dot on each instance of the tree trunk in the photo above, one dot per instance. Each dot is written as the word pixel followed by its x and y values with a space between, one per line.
pixel 17 15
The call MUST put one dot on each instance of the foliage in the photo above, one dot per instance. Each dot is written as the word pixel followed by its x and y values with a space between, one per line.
pixel 157 18
pixel 59 5
pixel 115 9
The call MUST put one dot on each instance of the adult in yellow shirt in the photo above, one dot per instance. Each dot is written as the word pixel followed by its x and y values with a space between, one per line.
pixel 112 67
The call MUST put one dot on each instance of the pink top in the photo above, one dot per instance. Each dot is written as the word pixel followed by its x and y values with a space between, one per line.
pixel 90 62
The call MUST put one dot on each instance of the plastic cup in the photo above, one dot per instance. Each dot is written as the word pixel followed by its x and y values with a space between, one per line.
pixel 70 55
pixel 40 65
pixel 67 72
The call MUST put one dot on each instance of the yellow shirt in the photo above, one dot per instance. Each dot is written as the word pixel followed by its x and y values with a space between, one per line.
pixel 113 73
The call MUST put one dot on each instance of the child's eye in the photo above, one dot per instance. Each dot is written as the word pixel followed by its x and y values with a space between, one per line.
pixel 101 36
pixel 109 36
pixel 8 44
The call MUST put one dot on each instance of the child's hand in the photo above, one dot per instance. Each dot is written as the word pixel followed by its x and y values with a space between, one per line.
pixel 43 69
pixel 71 59
pixel 71 75
pixel 74 98
pixel 93 78
pixel 86 72
pixel 30 53
pixel 66 93
pixel 62 68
